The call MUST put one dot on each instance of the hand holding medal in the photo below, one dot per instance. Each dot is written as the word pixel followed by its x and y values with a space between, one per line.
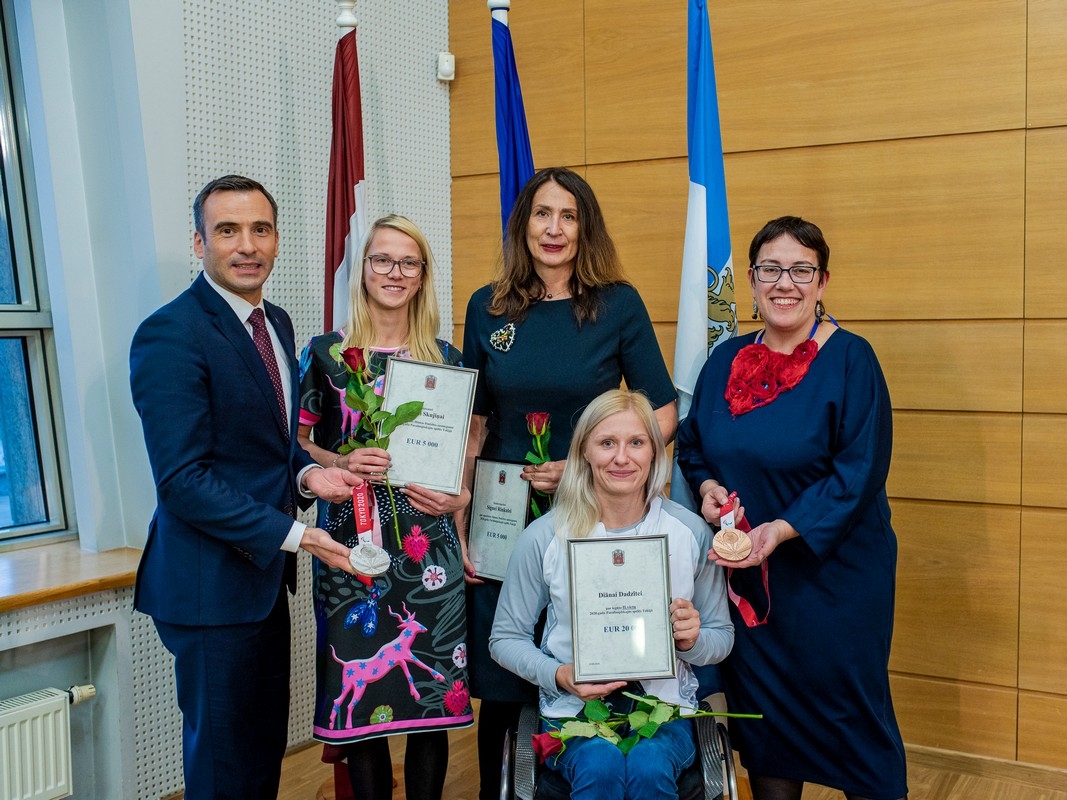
pixel 730 543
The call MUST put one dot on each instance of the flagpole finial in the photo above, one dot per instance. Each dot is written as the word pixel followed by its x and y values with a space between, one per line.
pixel 499 9
pixel 346 14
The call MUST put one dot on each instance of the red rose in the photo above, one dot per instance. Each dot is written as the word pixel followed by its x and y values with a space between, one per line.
pixel 547 744
pixel 537 422
pixel 355 360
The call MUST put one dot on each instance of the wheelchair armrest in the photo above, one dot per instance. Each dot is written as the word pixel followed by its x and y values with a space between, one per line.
pixel 524 767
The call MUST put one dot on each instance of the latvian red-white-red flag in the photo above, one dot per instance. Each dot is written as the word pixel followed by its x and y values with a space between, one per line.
pixel 346 200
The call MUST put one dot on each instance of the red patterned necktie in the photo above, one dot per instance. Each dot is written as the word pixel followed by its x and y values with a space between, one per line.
pixel 270 360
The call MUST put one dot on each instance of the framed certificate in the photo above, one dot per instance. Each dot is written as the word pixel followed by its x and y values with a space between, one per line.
pixel 499 502
pixel 431 449
pixel 620 609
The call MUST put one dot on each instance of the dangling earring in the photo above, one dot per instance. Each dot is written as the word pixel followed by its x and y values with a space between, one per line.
pixel 819 311
pixel 755 310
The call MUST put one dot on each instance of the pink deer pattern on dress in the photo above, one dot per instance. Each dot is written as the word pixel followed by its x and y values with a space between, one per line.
pixel 349 416
pixel 359 673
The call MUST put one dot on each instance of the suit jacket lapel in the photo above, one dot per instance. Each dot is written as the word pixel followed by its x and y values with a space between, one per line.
pixel 233 329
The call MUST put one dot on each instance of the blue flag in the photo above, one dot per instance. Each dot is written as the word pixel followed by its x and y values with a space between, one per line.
pixel 512 138
pixel 707 312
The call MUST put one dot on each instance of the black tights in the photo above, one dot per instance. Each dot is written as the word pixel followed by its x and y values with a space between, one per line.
pixel 494 720
pixel 765 787
pixel 370 768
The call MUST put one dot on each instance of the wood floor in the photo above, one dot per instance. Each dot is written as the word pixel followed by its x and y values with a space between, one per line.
pixel 932 775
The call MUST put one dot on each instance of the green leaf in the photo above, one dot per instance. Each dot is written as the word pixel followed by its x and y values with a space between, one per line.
pixel 638 719
pixel 536 509
pixel 383 442
pixel 627 744
pixel 597 711
pixel 648 731
pixel 606 732
pixel 578 727
pixel 533 458
pixel 355 400
pixel 663 713
pixel 406 412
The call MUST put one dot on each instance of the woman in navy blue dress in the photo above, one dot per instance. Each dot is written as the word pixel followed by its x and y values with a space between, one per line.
pixel 796 420
pixel 559 326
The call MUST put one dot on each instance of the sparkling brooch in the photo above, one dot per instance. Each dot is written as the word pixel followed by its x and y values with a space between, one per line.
pixel 504 338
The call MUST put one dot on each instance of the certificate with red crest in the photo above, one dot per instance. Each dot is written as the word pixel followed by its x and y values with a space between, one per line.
pixel 620 608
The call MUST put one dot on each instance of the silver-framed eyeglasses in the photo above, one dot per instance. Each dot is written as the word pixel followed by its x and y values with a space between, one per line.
pixel 382 265
pixel 770 273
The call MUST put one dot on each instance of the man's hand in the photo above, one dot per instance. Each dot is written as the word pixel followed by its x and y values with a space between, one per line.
pixel 321 545
pixel 332 484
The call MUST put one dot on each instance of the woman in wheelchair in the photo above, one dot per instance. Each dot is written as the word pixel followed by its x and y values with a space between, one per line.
pixel 612 485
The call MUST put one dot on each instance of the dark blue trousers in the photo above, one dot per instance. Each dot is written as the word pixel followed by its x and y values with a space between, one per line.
pixel 233 692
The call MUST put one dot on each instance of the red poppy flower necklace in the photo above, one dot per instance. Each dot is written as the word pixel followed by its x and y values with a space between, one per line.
pixel 758 374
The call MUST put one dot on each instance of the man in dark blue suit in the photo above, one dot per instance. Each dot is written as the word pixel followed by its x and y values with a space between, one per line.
pixel 214 380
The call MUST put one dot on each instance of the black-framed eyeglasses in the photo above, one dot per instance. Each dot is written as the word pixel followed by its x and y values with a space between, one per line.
pixel 770 273
pixel 383 265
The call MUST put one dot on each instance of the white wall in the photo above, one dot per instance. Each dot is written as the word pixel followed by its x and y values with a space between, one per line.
pixel 132 106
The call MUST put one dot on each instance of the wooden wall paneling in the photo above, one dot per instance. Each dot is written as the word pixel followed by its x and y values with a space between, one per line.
pixel 1046 63
pixel 957 602
pixel 548 41
pixel 957 365
pixel 1046 198
pixel 966 457
pixel 1044 466
pixel 1045 366
pixel 666 334
pixel 644 203
pixel 476 238
pixel 635 61
pixel 1042 722
pixel 953 715
pixel 918 229
pixel 1043 603
pixel 830 71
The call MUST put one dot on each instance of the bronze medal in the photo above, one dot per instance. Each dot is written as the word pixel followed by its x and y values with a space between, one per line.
pixel 730 544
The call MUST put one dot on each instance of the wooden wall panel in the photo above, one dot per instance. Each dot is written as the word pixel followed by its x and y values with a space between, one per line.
pixel 972 458
pixel 957 613
pixel 1046 199
pixel 826 71
pixel 636 94
pixel 901 218
pixel 1044 466
pixel 1043 602
pixel 650 244
pixel 547 35
pixel 1046 63
pixel 1042 722
pixel 967 717
pixel 959 365
pixel 475 237
pixel 1045 366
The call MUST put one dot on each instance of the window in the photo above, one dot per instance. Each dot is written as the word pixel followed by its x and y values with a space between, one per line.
pixel 31 497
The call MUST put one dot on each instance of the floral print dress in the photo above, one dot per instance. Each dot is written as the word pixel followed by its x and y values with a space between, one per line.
pixel 391 653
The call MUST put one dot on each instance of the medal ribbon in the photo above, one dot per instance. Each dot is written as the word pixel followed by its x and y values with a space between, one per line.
pixel 368 529
pixel 744 607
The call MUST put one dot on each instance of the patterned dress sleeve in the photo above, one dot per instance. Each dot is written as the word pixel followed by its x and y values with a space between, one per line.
pixel 311 387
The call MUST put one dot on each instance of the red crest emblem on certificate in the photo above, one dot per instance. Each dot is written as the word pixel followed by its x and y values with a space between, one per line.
pixel 431 382
pixel 618 558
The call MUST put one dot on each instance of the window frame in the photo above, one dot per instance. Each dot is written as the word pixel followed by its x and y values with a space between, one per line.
pixel 30 318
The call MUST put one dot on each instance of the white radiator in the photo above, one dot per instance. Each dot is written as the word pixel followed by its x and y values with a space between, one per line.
pixel 35 744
